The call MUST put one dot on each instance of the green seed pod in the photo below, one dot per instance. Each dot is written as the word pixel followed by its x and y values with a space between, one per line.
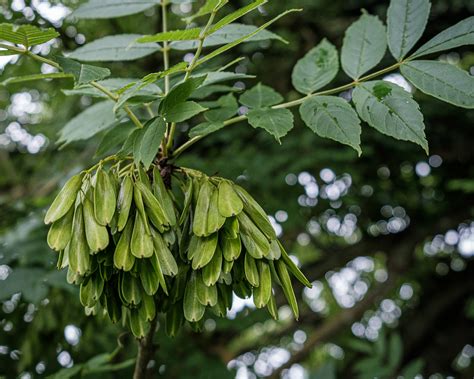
pixel 123 258
pixel 193 309
pixel 194 242
pixel 212 271
pixel 285 282
pixel 64 200
pixel 143 177
pixel 231 228
pixel 167 262
pixel 174 319
pixel 154 209
pixel 162 193
pixel 214 219
pixel 147 309
pixel 177 291
pixel 227 266
pixel 124 202
pixel 188 199
pixel 59 233
pixel 149 277
pixel 272 308
pixel 275 252
pixel 91 290
pixel 138 325
pixel 205 248
pixel 242 289
pixel 262 293
pixel 226 294
pixel 113 306
pixel 207 295
pixel 256 213
pixel 141 245
pixel 202 208
pixel 79 254
pixel 293 268
pixel 254 240
pixel 231 248
pixel 230 203
pixel 104 198
pixel 96 234
pixel 155 262
pixel 251 271
pixel 138 200
pixel 130 289
pixel 73 277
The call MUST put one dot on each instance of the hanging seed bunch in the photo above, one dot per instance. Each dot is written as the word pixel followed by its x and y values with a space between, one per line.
pixel 136 251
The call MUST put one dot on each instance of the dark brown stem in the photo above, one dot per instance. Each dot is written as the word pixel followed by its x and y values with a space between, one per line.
pixel 146 351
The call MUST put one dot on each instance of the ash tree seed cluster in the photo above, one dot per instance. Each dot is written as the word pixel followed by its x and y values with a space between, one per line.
pixel 136 248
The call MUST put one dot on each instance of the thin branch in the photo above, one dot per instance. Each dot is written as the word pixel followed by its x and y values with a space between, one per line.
pixel 146 351
pixel 189 70
pixel 294 103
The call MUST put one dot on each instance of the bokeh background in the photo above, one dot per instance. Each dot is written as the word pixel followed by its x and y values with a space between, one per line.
pixel 387 239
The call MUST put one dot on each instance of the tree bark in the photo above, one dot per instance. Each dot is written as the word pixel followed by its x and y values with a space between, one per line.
pixel 146 351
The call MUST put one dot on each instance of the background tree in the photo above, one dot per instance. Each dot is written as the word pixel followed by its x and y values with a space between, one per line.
pixel 385 238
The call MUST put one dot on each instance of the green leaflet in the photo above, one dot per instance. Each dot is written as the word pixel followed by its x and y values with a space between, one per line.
pixel 183 111
pixel 64 200
pixel 260 96
pixel 441 80
pixel 277 122
pixel 83 73
pixel 103 9
pixel 332 117
pixel 406 21
pixel 147 147
pixel 316 69
pixel 391 110
pixel 121 47
pixel 364 46
pixel 457 35
pixel 26 35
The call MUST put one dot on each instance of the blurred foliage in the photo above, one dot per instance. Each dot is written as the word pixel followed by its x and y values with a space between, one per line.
pixel 387 238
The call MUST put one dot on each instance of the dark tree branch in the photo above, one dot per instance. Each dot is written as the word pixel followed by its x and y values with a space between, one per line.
pixel 146 351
